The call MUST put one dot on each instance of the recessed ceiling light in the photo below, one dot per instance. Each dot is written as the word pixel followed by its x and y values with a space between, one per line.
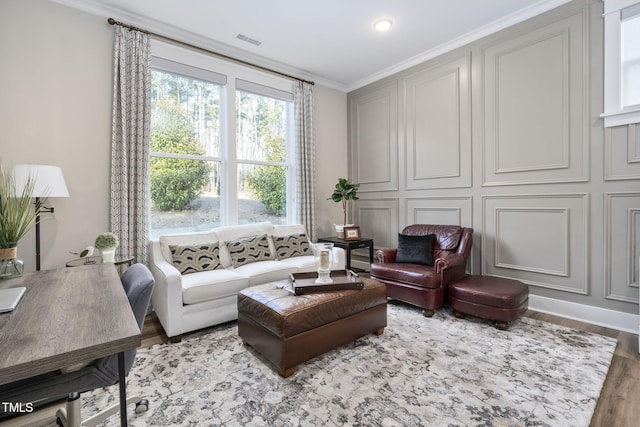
pixel 383 24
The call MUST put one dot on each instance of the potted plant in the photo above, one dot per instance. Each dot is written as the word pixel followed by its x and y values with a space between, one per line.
pixel 107 244
pixel 343 192
pixel 17 215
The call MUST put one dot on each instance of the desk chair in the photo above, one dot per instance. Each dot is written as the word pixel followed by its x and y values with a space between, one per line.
pixel 138 284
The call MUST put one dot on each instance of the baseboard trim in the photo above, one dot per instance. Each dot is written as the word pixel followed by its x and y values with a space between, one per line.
pixel 586 313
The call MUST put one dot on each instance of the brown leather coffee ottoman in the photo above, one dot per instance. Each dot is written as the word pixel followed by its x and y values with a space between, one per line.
pixel 289 329
pixel 493 298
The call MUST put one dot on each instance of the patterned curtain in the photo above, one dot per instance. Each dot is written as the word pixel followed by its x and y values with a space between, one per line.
pixel 130 133
pixel 305 156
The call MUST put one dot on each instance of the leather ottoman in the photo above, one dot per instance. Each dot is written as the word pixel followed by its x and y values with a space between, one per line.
pixel 289 329
pixel 493 298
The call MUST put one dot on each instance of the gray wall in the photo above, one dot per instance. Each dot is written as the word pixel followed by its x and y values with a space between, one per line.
pixel 504 135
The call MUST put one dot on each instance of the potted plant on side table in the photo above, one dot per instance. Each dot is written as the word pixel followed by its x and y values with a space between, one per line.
pixel 17 215
pixel 107 244
pixel 343 192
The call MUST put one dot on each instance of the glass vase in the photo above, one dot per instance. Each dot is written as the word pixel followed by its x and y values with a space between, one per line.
pixel 10 265
pixel 323 258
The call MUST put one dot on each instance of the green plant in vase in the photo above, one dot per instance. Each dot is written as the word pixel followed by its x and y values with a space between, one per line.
pixel 343 192
pixel 107 244
pixel 17 215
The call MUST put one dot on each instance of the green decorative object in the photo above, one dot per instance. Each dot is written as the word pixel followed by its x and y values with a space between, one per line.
pixel 344 191
pixel 17 215
pixel 106 241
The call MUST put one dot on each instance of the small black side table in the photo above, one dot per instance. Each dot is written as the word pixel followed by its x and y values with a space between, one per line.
pixel 120 260
pixel 349 245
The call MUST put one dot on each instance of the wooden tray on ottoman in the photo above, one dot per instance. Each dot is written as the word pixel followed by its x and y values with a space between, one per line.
pixel 304 283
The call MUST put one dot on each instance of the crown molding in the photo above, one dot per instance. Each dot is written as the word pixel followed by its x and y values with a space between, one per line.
pixel 493 27
pixel 100 9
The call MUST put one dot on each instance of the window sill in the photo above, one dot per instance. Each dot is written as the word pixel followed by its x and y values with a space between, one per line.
pixel 623 117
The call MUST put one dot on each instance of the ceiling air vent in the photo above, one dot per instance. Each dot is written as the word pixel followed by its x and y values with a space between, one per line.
pixel 248 39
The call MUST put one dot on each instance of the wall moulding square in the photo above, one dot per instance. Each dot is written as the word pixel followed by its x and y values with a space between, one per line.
pixel 622 153
pixel 537 133
pixel 540 239
pixel 378 219
pixel 456 210
pixel 436 117
pixel 373 121
pixel 622 246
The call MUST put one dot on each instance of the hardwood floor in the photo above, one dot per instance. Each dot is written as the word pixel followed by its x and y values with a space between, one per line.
pixel 618 404
pixel 619 401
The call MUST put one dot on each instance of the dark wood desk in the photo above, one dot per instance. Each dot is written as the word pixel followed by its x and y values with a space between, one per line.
pixel 67 316
pixel 349 245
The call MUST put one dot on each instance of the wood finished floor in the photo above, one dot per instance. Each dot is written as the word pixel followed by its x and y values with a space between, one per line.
pixel 618 404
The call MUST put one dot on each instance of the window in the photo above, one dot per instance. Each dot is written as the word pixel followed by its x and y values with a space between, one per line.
pixel 261 152
pixel 622 62
pixel 631 57
pixel 203 172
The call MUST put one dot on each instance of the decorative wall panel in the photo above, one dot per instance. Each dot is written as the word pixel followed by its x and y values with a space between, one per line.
pixel 536 106
pixel 439 210
pixel 622 238
pixel 560 199
pixel 622 152
pixel 378 219
pixel 539 239
pixel 374 139
pixel 437 112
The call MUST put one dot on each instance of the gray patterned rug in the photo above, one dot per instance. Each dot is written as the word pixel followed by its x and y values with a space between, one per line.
pixel 441 371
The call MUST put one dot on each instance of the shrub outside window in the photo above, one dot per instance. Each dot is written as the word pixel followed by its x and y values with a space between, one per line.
pixel 211 165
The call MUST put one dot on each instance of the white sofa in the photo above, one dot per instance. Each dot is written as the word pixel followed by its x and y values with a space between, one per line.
pixel 187 302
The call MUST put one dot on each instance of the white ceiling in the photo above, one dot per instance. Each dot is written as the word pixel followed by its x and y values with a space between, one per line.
pixel 330 41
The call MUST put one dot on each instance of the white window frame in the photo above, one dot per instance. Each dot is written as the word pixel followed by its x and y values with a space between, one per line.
pixel 614 112
pixel 280 87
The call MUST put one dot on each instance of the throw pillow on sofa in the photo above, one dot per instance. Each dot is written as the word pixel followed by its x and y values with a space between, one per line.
pixel 248 250
pixel 194 258
pixel 292 245
pixel 415 249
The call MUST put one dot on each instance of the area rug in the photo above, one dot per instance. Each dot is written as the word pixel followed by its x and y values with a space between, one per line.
pixel 439 371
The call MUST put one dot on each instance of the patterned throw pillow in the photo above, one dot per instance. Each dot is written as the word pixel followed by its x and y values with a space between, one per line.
pixel 194 258
pixel 248 250
pixel 292 245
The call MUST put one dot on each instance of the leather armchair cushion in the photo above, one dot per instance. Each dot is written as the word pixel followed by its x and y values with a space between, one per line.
pixel 413 274
pixel 415 249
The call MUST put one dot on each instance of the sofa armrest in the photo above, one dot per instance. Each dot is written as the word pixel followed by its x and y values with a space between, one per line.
pixel 386 255
pixel 339 259
pixel 167 292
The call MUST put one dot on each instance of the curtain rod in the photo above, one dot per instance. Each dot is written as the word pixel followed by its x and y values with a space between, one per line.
pixel 112 21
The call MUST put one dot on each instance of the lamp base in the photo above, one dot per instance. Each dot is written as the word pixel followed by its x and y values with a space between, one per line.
pixel 11 268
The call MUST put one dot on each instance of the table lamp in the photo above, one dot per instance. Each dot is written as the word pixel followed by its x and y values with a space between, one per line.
pixel 48 182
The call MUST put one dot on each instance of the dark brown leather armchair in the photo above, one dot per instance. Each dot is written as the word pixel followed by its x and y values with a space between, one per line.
pixel 423 285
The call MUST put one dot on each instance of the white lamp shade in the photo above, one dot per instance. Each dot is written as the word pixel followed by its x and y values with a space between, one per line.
pixel 48 180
